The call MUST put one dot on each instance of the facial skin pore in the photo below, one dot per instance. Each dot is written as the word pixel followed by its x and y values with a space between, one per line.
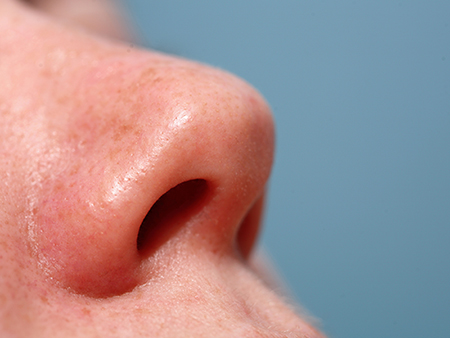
pixel 131 185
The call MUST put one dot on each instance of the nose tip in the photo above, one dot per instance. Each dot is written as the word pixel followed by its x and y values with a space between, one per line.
pixel 219 132
pixel 177 153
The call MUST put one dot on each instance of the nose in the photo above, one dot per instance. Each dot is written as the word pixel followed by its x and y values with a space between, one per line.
pixel 155 155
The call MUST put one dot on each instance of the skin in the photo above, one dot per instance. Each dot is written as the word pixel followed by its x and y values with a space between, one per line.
pixel 131 185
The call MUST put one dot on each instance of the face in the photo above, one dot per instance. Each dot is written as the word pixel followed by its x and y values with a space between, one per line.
pixel 131 185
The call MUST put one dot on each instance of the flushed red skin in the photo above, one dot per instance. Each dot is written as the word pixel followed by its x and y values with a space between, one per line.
pixel 93 133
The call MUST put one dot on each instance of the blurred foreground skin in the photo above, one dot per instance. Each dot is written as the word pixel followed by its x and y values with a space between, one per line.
pixel 131 186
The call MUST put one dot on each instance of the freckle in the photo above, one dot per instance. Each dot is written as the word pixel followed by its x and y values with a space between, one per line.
pixel 141 311
pixel 44 299
pixel 59 186
pixel 86 311
pixel 62 214
pixel 74 170
pixel 113 153
pixel 121 131
pixel 149 73
pixel 63 99
pixel 137 132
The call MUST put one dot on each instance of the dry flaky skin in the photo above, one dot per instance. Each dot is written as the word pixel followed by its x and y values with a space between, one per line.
pixel 93 133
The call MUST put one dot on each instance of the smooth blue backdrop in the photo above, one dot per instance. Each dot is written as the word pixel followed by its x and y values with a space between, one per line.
pixel 358 218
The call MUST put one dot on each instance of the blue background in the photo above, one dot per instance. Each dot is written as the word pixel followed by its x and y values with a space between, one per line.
pixel 359 209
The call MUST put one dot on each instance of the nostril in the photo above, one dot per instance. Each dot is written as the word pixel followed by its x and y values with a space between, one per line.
pixel 169 213
pixel 248 230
